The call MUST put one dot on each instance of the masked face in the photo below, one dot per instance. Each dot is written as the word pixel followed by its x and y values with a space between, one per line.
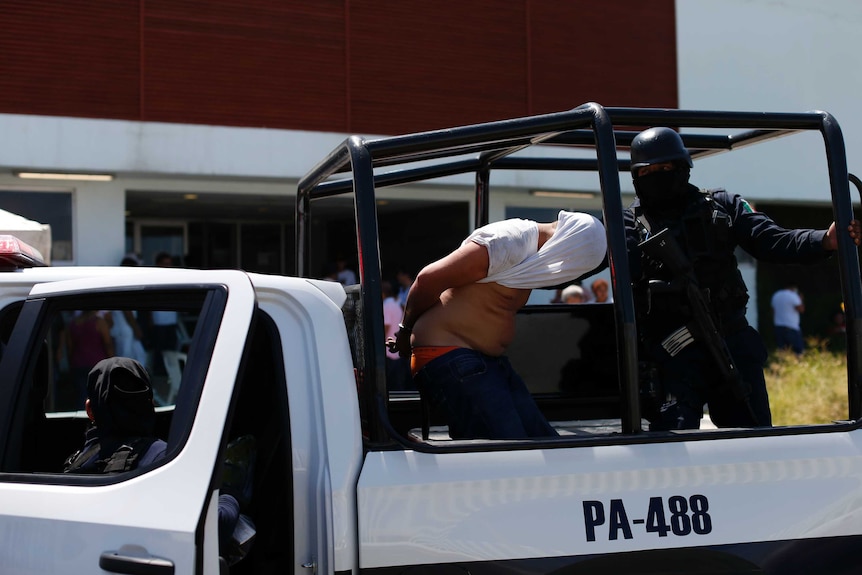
pixel 662 191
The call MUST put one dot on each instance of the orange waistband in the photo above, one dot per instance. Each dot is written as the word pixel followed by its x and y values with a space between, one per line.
pixel 424 353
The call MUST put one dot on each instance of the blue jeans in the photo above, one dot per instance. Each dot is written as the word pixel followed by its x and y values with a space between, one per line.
pixel 483 397
pixel 789 338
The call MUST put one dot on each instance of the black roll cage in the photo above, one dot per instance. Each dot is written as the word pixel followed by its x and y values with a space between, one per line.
pixel 490 146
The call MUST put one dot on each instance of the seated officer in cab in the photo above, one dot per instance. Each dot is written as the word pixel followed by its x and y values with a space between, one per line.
pixel 121 437
pixel 689 295
pixel 123 420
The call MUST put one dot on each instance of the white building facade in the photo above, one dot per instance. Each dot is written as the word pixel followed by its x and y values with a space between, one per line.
pixel 754 55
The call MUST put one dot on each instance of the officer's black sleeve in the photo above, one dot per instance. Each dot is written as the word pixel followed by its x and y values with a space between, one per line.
pixel 765 240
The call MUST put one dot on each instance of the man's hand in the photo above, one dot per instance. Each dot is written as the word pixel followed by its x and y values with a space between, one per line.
pixel 830 240
pixel 401 343
pixel 466 265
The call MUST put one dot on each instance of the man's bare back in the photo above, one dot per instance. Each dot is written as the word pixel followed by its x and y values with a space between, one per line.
pixel 478 316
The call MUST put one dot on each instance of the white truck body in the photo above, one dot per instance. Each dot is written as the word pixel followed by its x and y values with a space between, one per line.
pixel 355 513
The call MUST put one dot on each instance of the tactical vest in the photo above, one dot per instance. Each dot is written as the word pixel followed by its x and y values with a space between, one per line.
pixel 704 231
pixel 124 458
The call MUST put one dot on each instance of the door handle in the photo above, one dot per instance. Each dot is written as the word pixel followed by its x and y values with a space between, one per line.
pixel 135 560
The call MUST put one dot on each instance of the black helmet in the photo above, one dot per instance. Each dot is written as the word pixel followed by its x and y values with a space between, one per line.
pixel 658 145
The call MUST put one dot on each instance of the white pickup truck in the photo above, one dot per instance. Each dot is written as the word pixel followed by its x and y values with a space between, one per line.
pixel 354 478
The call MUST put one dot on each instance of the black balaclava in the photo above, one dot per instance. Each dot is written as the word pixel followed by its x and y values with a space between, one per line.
pixel 663 193
pixel 121 398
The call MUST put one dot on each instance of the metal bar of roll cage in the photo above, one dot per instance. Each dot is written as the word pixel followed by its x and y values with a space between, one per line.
pixel 590 126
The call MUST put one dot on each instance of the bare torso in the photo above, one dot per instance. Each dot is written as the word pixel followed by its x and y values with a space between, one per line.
pixel 478 316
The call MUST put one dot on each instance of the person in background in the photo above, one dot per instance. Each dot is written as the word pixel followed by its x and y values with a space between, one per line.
pixel 345 275
pixel 163 326
pixel 397 367
pixel 405 280
pixel 787 306
pixel 693 368
pixel 460 318
pixel 573 294
pixel 127 333
pixel 601 291
pixel 164 260
pixel 330 272
pixel 88 341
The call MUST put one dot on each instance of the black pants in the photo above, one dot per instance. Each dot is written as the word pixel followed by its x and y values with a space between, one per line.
pixel 692 380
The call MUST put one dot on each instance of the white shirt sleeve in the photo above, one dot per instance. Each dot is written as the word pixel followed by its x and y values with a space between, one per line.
pixel 508 242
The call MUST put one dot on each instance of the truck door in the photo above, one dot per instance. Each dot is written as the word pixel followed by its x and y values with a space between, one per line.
pixel 160 518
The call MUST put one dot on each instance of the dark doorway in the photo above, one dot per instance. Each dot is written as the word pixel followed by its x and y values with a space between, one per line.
pixel 257 233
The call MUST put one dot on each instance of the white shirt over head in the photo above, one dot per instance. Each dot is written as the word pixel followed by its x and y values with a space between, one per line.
pixel 577 247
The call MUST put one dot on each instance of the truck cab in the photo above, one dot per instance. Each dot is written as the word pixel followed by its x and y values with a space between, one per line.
pixel 247 336
pixel 351 477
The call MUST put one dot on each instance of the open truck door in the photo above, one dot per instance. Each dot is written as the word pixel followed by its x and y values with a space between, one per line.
pixel 159 519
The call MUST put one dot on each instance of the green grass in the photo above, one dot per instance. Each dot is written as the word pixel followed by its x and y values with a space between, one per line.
pixel 811 388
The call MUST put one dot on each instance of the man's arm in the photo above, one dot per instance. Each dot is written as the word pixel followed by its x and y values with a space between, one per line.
pixel 799 304
pixel 764 239
pixel 466 265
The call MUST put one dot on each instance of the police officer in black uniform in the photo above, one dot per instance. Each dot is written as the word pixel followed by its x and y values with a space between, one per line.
pixel 684 367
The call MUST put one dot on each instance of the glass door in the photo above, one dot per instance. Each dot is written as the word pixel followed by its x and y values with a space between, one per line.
pixel 154 237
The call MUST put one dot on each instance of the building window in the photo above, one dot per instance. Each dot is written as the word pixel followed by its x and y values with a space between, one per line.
pixel 52 208
pixel 148 238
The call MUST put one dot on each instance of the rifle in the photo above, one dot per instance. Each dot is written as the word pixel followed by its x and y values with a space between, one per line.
pixel 664 248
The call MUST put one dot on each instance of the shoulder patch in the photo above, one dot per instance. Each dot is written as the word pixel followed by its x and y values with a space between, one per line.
pixel 746 207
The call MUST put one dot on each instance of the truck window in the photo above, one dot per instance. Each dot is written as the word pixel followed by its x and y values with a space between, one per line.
pixel 69 339
pixel 158 339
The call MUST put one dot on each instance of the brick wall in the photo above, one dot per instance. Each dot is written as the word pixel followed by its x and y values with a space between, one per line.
pixel 358 66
